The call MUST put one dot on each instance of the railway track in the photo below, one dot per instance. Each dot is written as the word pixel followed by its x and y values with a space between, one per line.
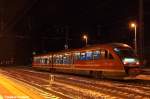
pixel 73 87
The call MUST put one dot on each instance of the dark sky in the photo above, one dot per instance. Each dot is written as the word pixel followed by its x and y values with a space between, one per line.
pixel 42 25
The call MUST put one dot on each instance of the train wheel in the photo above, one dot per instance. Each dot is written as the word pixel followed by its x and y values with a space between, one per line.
pixel 96 74
pixel 52 70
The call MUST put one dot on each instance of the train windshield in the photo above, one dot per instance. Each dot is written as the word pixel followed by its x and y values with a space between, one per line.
pixel 125 52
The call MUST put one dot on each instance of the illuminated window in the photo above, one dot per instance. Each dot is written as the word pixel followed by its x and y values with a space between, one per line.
pixel 50 59
pixel 45 61
pixel 60 59
pixel 105 54
pixel 64 60
pixel 37 60
pixel 57 60
pixel 83 56
pixel 89 55
pixel 54 59
pixel 96 54
pixel 77 56
pixel 67 59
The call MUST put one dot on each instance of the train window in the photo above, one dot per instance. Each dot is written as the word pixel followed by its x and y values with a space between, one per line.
pixel 35 60
pixel 67 59
pixel 38 60
pixel 103 53
pixel 50 59
pixel 89 55
pixel 41 60
pixel 106 55
pixel 124 52
pixel 45 60
pixel 83 56
pixel 77 56
pixel 96 54
pixel 60 59
pixel 64 59
pixel 55 59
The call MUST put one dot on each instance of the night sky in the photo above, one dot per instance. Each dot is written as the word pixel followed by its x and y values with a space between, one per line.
pixel 44 25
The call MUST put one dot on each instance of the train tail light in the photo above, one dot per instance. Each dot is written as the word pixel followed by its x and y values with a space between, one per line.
pixel 137 63
pixel 125 63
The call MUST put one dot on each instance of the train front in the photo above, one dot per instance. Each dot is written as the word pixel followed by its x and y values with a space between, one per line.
pixel 130 61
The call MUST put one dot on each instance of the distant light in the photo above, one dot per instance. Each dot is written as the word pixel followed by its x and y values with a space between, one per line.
pixel 85 37
pixel 133 25
pixel 34 53
pixel 66 46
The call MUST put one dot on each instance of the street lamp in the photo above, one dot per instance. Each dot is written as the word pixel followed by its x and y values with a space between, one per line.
pixel 85 37
pixel 133 25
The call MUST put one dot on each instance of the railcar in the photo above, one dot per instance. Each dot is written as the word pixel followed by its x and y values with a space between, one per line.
pixel 115 60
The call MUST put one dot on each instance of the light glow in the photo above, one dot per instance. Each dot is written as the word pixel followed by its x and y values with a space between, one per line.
pixel 130 61
pixel 84 36
pixel 133 25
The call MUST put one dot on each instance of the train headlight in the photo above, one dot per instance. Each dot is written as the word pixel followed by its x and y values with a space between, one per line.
pixel 130 61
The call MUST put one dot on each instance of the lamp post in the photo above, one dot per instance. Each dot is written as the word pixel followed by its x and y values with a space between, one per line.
pixel 85 37
pixel 133 25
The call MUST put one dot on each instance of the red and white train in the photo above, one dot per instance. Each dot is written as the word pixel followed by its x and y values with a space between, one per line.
pixel 113 60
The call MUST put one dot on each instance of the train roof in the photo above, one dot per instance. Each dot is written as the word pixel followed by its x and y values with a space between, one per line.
pixel 108 45
pixel 89 47
pixel 120 45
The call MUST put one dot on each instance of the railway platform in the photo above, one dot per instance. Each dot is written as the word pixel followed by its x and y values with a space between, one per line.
pixel 11 89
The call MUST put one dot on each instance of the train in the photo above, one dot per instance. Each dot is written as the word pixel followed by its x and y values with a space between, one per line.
pixel 112 60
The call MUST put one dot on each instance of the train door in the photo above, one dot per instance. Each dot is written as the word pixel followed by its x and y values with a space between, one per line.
pixel 107 59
